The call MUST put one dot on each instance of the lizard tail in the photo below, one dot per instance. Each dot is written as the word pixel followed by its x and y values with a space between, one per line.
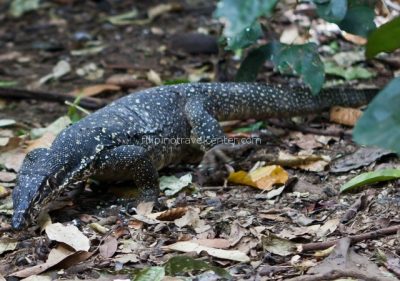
pixel 346 96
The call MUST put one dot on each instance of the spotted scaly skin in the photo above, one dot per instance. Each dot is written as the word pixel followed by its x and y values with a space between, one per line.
pixel 130 139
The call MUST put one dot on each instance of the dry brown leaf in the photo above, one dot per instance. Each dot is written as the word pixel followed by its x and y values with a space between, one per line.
pixel 354 38
pixel 13 55
pixel 305 161
pixel 12 160
pixel 4 192
pixel 126 81
pixel 169 215
pixel 7 244
pixel 56 255
pixel 9 143
pixel 237 233
pixel 37 278
pixel 109 247
pixel 263 178
pixel 328 227
pixel 69 235
pixel 44 141
pixel 144 208
pixel 192 246
pixel 192 218
pixel 135 224
pixel 218 243
pixel 126 258
pixel 277 245
pixel 345 115
pixel 94 90
pixel 99 228
pixel 75 258
pixel 154 77
pixel 274 217
pixel 305 141
pixel 7 176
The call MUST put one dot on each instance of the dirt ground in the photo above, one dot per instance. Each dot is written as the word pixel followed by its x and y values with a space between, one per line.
pixel 265 227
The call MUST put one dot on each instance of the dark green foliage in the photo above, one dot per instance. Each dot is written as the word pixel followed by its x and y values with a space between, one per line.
pixel 240 15
pixel 380 123
pixel 245 38
pixel 332 11
pixel 384 39
pixel 359 20
pixel 154 273
pixel 183 264
pixel 252 64
pixel 302 60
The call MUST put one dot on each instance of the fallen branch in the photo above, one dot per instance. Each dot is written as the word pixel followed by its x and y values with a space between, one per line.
pixel 87 102
pixel 353 239
pixel 308 130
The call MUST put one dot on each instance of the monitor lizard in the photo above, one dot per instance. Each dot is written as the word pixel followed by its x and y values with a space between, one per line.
pixel 135 136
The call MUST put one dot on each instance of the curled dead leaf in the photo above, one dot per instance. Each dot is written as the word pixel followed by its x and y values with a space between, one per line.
pixel 171 214
pixel 345 115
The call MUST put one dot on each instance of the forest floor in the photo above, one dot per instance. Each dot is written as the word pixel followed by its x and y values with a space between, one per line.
pixel 70 48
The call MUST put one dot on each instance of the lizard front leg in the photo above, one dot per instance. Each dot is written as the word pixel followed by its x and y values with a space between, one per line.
pixel 208 132
pixel 130 162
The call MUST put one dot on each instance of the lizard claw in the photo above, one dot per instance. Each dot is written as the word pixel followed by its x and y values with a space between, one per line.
pixel 216 163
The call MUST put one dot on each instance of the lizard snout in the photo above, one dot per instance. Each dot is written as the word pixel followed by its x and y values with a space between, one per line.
pixel 27 198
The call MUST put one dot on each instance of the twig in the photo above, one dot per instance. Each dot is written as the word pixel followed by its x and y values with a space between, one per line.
pixel 307 130
pixel 87 102
pixel 77 107
pixel 354 238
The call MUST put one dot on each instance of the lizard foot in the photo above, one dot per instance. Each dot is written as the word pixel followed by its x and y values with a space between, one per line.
pixel 214 168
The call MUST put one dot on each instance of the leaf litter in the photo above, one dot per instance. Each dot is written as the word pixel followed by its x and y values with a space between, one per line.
pixel 247 231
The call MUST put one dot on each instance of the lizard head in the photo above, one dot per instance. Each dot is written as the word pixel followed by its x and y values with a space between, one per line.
pixel 34 188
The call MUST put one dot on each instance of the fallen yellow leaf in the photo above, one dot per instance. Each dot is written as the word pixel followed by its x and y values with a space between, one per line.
pixel 263 178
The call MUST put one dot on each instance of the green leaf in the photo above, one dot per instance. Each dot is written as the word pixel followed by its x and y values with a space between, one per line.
pixel 19 7
pixel 380 123
pixel 245 38
pixel 155 273
pixel 348 73
pixel 384 39
pixel 359 20
pixel 183 264
pixel 176 81
pixel 332 11
pixel 239 15
pixel 302 60
pixel 251 128
pixel 370 178
pixel 4 83
pixel 252 64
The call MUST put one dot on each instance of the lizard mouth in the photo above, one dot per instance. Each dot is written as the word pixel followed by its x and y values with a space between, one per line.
pixel 28 196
